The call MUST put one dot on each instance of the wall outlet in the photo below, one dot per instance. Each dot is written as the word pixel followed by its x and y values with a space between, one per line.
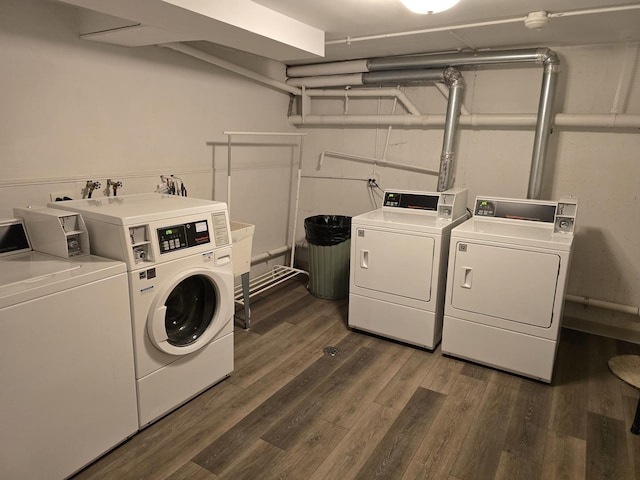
pixel 62 195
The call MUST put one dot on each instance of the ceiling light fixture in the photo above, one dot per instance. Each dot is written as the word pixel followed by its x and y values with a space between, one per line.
pixel 429 6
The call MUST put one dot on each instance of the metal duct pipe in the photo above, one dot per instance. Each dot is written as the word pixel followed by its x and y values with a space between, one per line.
pixel 403 76
pixel 451 77
pixel 455 82
pixel 437 61
pixel 350 79
pixel 372 78
pixel 543 56
pixel 543 125
pixel 535 55
pixel 332 68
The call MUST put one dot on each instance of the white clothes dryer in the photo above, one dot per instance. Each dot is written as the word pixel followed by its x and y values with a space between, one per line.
pixel 178 256
pixel 399 263
pixel 508 269
pixel 66 359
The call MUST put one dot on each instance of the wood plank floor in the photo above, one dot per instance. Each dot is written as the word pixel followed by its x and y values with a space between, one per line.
pixel 383 410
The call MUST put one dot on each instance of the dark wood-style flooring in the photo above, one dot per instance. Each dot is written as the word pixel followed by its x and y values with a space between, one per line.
pixel 382 410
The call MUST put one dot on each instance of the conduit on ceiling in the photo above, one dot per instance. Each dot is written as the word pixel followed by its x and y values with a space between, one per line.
pixel 440 68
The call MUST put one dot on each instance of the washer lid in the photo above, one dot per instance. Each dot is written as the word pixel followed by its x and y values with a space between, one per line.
pixel 139 208
pixel 32 275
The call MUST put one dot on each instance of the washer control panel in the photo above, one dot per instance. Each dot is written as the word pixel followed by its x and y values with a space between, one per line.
pixel 186 235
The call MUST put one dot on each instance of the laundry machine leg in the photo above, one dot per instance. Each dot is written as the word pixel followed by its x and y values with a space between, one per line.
pixel 245 300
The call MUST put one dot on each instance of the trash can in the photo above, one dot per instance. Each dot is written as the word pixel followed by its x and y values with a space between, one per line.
pixel 329 238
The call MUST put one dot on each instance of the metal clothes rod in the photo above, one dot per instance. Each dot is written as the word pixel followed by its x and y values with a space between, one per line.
pixel 270 134
pixel 279 273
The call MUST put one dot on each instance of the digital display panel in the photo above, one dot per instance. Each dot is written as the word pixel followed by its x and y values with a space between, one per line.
pixel 187 235
pixel 13 238
pixel 532 212
pixel 411 201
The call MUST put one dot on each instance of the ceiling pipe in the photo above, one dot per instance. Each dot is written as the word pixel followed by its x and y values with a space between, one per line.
pixel 476 120
pixel 368 78
pixel 381 69
pixel 467 59
pixel 430 61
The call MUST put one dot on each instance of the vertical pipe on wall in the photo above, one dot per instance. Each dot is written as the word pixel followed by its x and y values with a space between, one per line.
pixel 229 175
pixel 543 124
pixel 455 82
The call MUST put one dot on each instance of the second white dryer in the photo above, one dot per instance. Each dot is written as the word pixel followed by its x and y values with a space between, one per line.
pixel 399 264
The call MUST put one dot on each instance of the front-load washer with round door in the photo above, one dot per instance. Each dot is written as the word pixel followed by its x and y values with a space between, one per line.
pixel 508 269
pixel 67 385
pixel 399 263
pixel 178 256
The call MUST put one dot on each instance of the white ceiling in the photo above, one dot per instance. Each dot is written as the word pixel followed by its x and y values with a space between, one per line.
pixel 299 31
pixel 397 30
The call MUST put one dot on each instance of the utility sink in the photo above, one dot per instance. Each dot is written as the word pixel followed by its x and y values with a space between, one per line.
pixel 242 240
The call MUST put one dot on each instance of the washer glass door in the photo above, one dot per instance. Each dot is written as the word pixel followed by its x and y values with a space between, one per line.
pixel 190 309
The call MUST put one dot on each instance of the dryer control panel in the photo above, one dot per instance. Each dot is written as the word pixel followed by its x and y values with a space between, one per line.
pixel 448 205
pixel 515 209
pixel 561 214
pixel 415 201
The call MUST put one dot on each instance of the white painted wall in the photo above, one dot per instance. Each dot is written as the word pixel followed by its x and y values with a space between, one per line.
pixel 74 110
pixel 598 165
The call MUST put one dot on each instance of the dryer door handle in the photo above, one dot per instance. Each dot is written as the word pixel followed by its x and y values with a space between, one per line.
pixel 467 277
pixel 364 258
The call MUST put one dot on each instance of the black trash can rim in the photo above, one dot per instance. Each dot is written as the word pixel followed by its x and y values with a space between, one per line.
pixel 327 230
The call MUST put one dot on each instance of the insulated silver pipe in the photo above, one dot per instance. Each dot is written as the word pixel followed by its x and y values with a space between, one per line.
pixel 403 76
pixel 455 82
pixel 543 126
pixel 382 70
pixel 453 79
pixel 536 55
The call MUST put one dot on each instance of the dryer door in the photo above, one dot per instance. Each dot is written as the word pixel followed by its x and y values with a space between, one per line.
pixel 190 311
pixel 399 263
pixel 506 283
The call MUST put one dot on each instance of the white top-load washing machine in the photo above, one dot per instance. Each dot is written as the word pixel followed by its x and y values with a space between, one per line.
pixel 399 263
pixel 508 270
pixel 67 385
pixel 178 255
